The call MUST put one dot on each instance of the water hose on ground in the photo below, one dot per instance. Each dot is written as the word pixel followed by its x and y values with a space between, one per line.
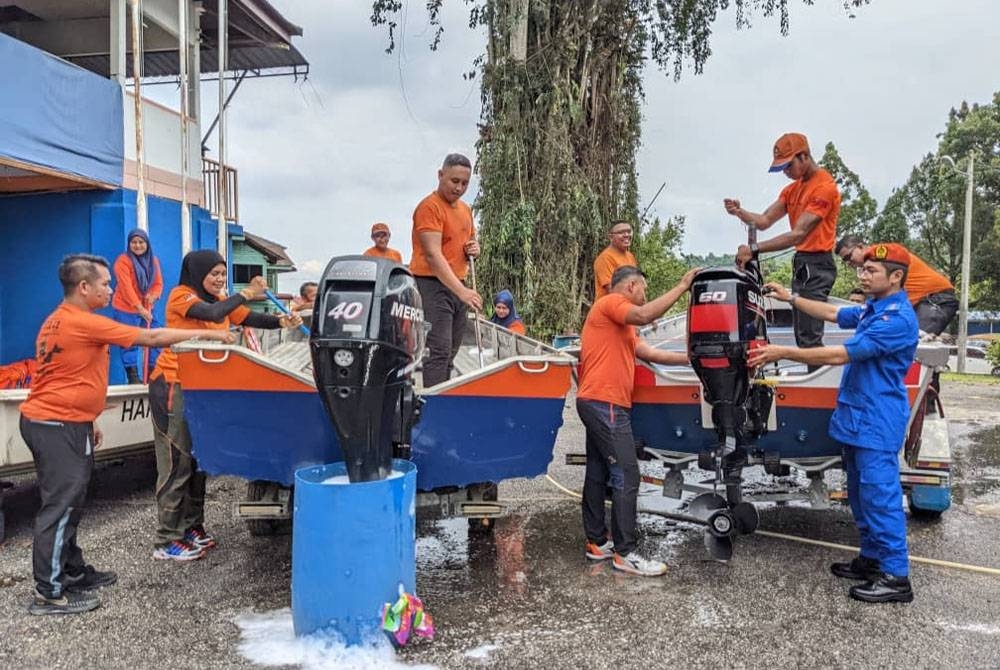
pixel 832 545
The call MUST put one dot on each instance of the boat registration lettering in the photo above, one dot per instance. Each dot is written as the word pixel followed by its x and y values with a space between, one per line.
pixel 346 310
pixel 134 409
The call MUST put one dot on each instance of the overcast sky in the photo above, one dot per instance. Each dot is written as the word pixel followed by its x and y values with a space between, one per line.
pixel 360 141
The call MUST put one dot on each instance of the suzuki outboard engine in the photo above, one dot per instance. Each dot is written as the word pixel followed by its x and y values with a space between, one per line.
pixel 726 320
pixel 367 336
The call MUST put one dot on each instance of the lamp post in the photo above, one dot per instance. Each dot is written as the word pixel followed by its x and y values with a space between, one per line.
pixel 963 312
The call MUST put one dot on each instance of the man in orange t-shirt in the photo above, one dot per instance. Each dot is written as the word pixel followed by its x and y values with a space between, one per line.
pixel 609 346
pixel 812 203
pixel 67 394
pixel 443 241
pixel 930 292
pixel 380 249
pixel 614 256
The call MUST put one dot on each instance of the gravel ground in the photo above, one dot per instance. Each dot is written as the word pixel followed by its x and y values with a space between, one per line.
pixel 526 598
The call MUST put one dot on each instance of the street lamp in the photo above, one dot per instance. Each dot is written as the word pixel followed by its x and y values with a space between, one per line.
pixel 963 312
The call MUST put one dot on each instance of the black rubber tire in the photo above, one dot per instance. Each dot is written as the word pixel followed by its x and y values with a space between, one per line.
pixel 263 490
pixel 921 514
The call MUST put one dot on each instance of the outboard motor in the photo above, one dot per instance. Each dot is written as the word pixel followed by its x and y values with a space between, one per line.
pixel 367 337
pixel 726 321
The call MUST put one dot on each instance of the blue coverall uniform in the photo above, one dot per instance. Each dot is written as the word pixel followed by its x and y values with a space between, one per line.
pixel 870 422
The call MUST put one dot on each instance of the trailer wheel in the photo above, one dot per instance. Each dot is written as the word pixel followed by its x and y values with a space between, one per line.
pixel 265 490
pixel 922 514
pixel 483 526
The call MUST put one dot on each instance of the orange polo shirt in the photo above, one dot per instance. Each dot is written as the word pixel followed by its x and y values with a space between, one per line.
pixel 435 215
pixel 605 265
pixel 922 280
pixel 71 382
pixel 389 253
pixel 178 303
pixel 127 297
pixel 607 352
pixel 817 195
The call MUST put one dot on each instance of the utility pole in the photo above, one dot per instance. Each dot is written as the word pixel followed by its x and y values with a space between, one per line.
pixel 963 312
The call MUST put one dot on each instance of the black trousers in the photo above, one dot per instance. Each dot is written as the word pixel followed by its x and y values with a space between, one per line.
pixel 813 275
pixel 936 311
pixel 64 459
pixel 611 462
pixel 448 316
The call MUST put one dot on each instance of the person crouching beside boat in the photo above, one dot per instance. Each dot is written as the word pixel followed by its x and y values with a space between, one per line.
pixel 504 313
pixel 67 394
pixel 609 346
pixel 138 285
pixel 198 302
pixel 871 414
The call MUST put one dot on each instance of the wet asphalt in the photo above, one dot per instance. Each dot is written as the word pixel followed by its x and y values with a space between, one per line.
pixel 525 597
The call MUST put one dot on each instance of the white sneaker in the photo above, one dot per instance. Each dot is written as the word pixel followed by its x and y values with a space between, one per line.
pixel 601 552
pixel 637 565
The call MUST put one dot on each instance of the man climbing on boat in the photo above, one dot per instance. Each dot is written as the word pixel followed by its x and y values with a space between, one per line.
pixel 871 414
pixel 609 346
pixel 812 203
pixel 57 423
pixel 443 242
pixel 930 292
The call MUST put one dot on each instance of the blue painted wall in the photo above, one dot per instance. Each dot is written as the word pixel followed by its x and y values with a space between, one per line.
pixel 37 231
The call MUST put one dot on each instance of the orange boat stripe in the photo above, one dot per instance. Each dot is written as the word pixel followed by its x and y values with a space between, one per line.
pixel 513 382
pixel 238 373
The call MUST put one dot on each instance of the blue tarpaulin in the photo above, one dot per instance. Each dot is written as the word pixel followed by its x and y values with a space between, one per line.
pixel 59 116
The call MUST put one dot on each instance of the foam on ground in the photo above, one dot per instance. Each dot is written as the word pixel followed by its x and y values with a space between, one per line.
pixel 268 639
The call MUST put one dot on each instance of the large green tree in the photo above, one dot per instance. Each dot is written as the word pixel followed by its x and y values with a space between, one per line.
pixel 930 207
pixel 858 209
pixel 561 117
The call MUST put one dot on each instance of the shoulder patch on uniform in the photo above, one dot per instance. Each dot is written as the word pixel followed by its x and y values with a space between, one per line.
pixel 894 307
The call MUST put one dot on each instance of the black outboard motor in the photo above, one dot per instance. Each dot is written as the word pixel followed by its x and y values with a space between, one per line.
pixel 367 337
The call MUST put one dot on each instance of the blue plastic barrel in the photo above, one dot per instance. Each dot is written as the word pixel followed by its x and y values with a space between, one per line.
pixel 352 546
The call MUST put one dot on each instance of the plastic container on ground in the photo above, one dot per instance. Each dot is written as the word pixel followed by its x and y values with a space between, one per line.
pixel 353 545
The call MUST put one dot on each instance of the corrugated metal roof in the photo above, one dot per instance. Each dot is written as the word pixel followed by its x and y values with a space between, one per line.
pixel 165 64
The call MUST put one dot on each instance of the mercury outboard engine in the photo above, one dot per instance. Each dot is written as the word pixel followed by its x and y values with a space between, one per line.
pixel 367 336
pixel 726 321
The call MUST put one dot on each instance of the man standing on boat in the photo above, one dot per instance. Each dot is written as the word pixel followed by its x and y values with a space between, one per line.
pixel 380 244
pixel 609 346
pixel 812 203
pixel 57 423
pixel 443 242
pixel 614 256
pixel 871 414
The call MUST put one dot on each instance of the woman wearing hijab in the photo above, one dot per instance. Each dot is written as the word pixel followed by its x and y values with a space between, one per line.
pixel 504 313
pixel 139 285
pixel 199 301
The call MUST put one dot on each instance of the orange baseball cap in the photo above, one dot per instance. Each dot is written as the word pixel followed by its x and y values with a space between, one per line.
pixel 380 228
pixel 888 252
pixel 786 148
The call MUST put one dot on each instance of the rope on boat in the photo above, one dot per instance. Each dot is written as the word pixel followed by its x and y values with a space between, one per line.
pixel 833 545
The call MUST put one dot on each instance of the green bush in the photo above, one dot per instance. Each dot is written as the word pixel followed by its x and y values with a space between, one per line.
pixel 993 353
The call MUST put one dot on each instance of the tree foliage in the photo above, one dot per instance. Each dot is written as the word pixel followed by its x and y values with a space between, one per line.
pixel 561 120
pixel 858 209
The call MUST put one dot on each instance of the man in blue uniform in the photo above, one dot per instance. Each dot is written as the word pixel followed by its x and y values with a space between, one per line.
pixel 871 414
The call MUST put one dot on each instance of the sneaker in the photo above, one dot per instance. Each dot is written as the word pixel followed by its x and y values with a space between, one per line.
pixel 637 565
pixel 603 552
pixel 68 603
pixel 885 588
pixel 178 550
pixel 860 568
pixel 198 538
pixel 88 580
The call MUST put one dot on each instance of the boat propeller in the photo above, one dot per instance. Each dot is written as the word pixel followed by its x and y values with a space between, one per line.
pixel 723 523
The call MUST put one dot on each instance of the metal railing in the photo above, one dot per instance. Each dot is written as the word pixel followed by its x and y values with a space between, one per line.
pixel 213 186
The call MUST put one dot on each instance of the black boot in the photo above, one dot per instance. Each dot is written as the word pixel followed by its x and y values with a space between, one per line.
pixel 133 375
pixel 885 589
pixel 861 568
